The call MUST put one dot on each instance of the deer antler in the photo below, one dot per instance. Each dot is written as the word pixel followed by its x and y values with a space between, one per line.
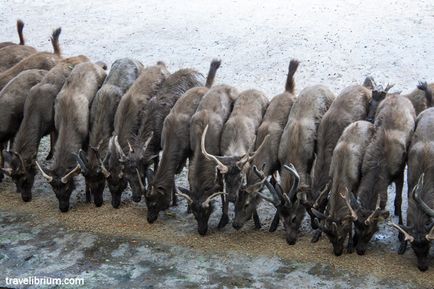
pixel 375 213
pixel 407 236
pixel 74 171
pixel 208 200
pixel 222 168
pixel 45 175
pixel 346 197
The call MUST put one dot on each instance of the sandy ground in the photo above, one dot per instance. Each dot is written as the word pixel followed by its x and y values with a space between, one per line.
pixel 338 43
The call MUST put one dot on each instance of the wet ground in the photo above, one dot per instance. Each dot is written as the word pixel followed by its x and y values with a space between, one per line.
pixel 31 247
pixel 338 43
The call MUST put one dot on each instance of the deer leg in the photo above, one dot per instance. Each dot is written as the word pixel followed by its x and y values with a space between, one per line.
pixel 275 222
pixel 256 220
pixel 174 197
pixel 156 162
pixel 1 162
pixel 225 218
pixel 350 245
pixel 88 196
pixel 53 139
pixel 399 184
pixel 316 236
pixel 402 247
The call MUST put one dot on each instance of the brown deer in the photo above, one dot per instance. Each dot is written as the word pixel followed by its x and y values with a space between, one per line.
pixel 345 172
pixel 127 123
pixel 273 123
pixel 146 147
pixel 383 163
pixel 12 99
pixel 213 111
pixel 71 119
pixel 175 142
pixel 419 230
pixel 297 147
pixel 38 121
pixel 122 75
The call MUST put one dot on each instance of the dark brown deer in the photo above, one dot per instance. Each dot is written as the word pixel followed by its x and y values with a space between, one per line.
pixel 237 142
pixel 175 142
pixel 337 220
pixel 71 119
pixel 351 105
pixel 383 163
pixel 122 75
pixel 273 123
pixel 297 147
pixel 40 60
pixel 419 230
pixel 127 123
pixel 12 99
pixel 11 54
pixel 139 158
pixel 38 121
pixel 212 113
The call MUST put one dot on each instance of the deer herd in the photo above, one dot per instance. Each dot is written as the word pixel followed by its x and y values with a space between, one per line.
pixel 139 126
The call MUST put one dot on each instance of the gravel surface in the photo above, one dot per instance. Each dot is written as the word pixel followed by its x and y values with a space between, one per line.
pixel 338 43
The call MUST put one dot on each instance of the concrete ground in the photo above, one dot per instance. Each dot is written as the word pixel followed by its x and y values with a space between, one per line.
pixel 338 44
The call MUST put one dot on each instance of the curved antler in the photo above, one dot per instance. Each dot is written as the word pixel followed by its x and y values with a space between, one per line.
pixel 185 196
pixel 407 236
pixel 69 175
pixel 375 213
pixel 222 168
pixel 206 203
pixel 248 157
pixel 347 197
pixel 416 196
pixel 292 193
pixel 45 175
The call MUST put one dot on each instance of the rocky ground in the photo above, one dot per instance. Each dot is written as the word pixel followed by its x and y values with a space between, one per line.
pixel 338 43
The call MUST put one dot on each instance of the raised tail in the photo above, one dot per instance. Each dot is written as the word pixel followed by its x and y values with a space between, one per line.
pixel 428 92
pixel 215 64
pixel 55 41
pixel 20 27
pixel 290 83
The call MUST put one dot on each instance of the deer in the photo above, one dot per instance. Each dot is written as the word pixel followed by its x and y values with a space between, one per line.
pixel 38 121
pixel 12 99
pixel 419 231
pixel 273 124
pixel 345 172
pixel 145 148
pixel 11 53
pixel 351 105
pixel 213 111
pixel 39 60
pixel 122 75
pixel 175 143
pixel 383 163
pixel 297 147
pixel 71 119
pixel 237 142
pixel 126 126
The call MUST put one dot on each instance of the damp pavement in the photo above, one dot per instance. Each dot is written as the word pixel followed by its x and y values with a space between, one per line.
pixel 31 248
